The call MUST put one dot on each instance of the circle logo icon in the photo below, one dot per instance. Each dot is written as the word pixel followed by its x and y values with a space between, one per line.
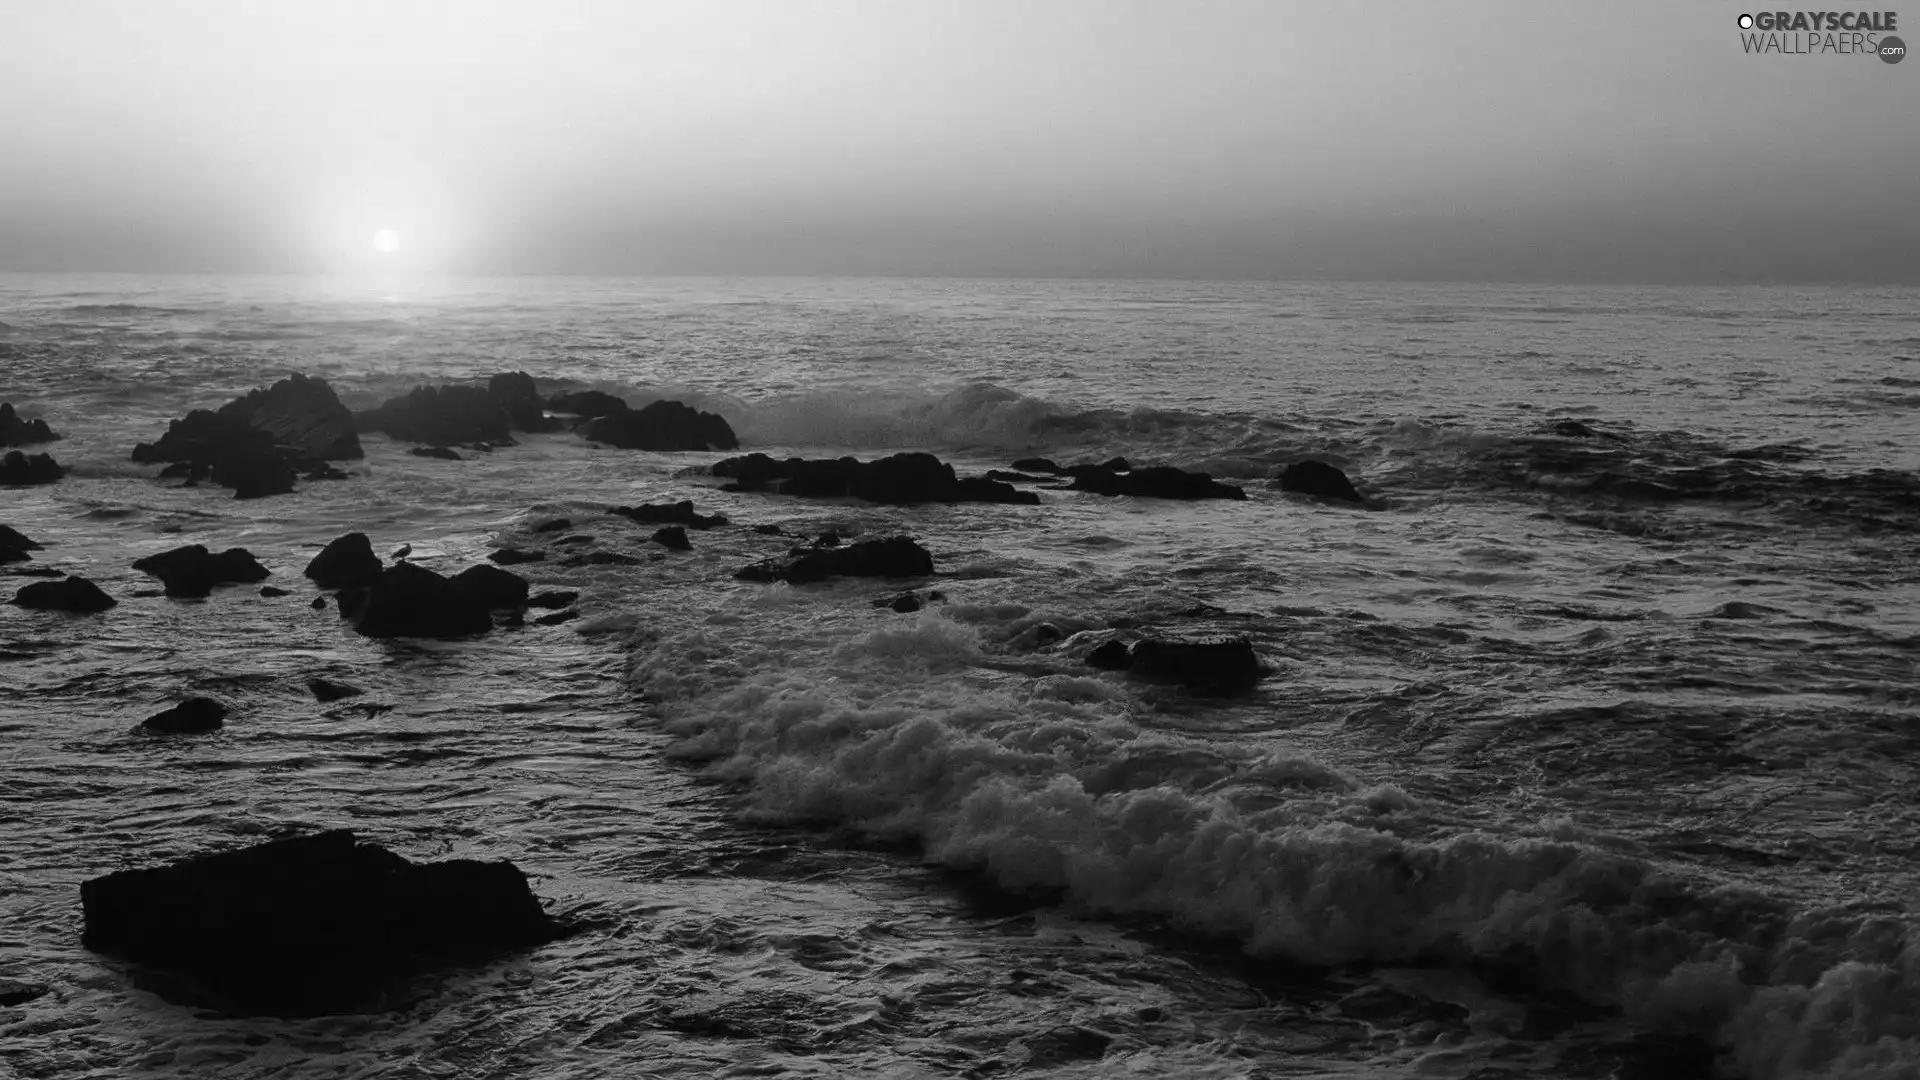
pixel 1746 22
pixel 1892 50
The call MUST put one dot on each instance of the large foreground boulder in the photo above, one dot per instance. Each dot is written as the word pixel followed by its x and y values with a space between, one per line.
pixel 17 432
pixel 894 557
pixel 193 571
pixel 898 479
pixel 258 444
pixel 19 470
pixel 439 415
pixel 75 594
pixel 311 925
pixel 412 601
pixel 662 425
pixel 1319 479
pixel 346 561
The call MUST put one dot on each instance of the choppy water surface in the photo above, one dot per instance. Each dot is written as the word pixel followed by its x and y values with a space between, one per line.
pixel 1581 757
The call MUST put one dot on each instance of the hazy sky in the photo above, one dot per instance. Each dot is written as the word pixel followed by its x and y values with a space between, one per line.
pixel 1531 139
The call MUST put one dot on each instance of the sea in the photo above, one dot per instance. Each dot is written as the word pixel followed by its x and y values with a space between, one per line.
pixel 1588 748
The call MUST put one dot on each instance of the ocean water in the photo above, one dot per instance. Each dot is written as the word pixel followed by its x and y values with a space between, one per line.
pixel 1577 756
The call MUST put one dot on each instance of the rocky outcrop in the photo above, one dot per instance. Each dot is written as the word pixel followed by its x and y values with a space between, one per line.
pixel 672 537
pixel 899 479
pixel 75 594
pixel 895 556
pixel 680 513
pixel 193 716
pixel 411 601
pixel 19 470
pixel 1319 479
pixel 516 393
pixel 193 571
pixel 346 561
pixel 14 545
pixel 514 556
pixel 662 425
pixel 17 432
pixel 310 925
pixel 439 415
pixel 258 444
pixel 587 403
pixel 326 690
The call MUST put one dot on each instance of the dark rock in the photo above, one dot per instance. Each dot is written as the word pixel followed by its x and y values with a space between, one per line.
pixel 75 594
pixel 674 537
pixel 603 558
pixel 16 540
pixel 271 592
pixel 495 587
pixel 323 471
pixel 310 925
pixel 1221 665
pixel 1157 482
pixel 319 603
pixel 191 717
pixel 193 571
pixel 17 432
pixel 898 479
pixel 1036 465
pixel 517 395
pixel 441 452
pixel 827 539
pixel 1320 479
pixel 1567 428
pixel 556 525
pixel 257 444
pixel 324 691
pixel 662 425
pixel 1110 656
pixel 412 601
pixel 1013 477
pixel 345 561
pixel 557 618
pixel 768 530
pixel 19 991
pixel 557 598
pixel 1116 464
pixel 439 415
pixel 19 470
pixel 905 603
pixel 680 513
pixel 895 556
pixel 34 571
pixel 513 556
pixel 587 403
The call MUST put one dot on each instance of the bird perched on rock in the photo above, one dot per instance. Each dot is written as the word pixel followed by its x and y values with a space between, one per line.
pixel 400 553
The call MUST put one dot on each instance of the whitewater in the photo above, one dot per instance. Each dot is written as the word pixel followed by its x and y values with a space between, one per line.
pixel 1589 748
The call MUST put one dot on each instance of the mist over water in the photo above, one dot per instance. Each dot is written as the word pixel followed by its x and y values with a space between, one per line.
pixel 1577 755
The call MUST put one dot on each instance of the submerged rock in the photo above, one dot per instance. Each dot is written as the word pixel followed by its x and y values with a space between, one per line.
pixel 19 470
pixel 345 561
pixel 75 594
pixel 555 598
pixel 558 525
pixel 193 716
pixel 17 432
pixel 324 690
pixel 673 537
pixel 1157 482
pixel 20 991
pixel 1218 665
pixel 662 425
pixel 311 925
pixel 680 513
pixel 193 571
pixel 906 603
pixel 442 452
pixel 557 618
pixel 899 479
pixel 1318 478
pixel 514 556
pixel 411 601
pixel 895 556
pixel 271 592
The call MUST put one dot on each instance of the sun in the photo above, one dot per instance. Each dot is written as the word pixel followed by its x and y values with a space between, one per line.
pixel 386 240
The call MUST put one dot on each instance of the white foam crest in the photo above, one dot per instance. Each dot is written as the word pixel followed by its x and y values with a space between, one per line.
pixel 1052 783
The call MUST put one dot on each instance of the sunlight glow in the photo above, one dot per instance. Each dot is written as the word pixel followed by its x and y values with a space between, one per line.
pixel 386 240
